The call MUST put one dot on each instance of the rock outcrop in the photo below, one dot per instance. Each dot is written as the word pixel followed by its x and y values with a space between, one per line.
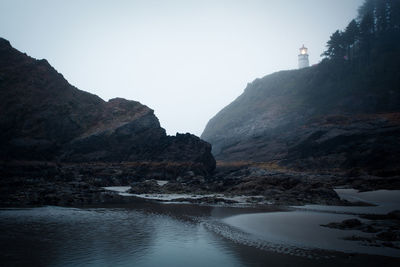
pixel 44 118
pixel 323 117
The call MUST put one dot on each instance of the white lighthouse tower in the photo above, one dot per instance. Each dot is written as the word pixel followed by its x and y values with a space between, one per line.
pixel 303 58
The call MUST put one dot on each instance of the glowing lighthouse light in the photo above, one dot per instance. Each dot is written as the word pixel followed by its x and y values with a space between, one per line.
pixel 303 58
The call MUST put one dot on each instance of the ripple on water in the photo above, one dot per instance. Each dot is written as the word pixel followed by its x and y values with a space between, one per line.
pixel 297 232
pixel 57 236
pixel 239 236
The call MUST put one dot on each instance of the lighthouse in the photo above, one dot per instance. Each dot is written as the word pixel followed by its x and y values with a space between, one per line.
pixel 303 58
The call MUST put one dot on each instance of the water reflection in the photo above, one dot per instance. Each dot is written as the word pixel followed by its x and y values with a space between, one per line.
pixel 54 236
pixel 141 234
pixel 62 236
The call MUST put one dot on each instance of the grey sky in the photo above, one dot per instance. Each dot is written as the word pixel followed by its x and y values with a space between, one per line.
pixel 184 59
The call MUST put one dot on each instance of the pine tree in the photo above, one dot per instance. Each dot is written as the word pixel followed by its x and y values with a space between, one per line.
pixel 374 35
pixel 350 36
pixel 336 46
pixel 367 30
pixel 381 14
pixel 394 14
pixel 367 8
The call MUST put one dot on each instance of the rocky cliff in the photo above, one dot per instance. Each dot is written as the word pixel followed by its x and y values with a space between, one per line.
pixel 329 116
pixel 43 117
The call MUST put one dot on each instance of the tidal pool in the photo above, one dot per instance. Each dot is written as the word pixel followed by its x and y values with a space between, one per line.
pixel 152 234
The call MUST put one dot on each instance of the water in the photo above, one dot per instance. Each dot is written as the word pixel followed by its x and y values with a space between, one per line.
pixel 154 234
pixel 384 201
pixel 54 236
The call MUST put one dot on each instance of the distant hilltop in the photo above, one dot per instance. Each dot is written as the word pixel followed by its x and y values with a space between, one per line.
pixel 342 114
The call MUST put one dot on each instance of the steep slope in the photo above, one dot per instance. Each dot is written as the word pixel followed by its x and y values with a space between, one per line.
pixel 327 116
pixel 43 117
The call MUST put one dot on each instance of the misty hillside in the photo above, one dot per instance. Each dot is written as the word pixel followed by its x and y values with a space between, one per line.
pixel 341 113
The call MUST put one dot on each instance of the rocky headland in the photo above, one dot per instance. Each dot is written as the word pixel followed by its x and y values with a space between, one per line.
pixel 44 118
pixel 311 119
pixel 332 117
pixel 58 144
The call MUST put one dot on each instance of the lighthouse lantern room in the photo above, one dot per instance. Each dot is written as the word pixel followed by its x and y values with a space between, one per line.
pixel 303 58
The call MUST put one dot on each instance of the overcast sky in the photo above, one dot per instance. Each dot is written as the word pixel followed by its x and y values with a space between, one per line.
pixel 184 59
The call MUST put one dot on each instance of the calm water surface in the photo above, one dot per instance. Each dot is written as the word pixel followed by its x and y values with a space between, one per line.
pixel 147 235
pixel 55 236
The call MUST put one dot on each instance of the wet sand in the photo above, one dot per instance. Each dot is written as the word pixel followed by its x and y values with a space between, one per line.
pixel 303 230
pixel 299 232
pixel 147 233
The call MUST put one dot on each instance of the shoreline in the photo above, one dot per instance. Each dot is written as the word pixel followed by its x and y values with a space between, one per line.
pixel 214 218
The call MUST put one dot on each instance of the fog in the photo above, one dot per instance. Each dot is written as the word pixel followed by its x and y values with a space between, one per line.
pixel 184 59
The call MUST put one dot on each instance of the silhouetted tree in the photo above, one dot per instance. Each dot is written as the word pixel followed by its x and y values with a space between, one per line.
pixel 374 35
pixel 350 36
pixel 367 8
pixel 351 33
pixel 367 29
pixel 394 14
pixel 367 26
pixel 336 46
pixel 381 13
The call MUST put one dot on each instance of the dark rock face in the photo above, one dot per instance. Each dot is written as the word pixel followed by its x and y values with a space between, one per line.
pixel 261 185
pixel 48 183
pixel 384 229
pixel 346 224
pixel 315 118
pixel 43 117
